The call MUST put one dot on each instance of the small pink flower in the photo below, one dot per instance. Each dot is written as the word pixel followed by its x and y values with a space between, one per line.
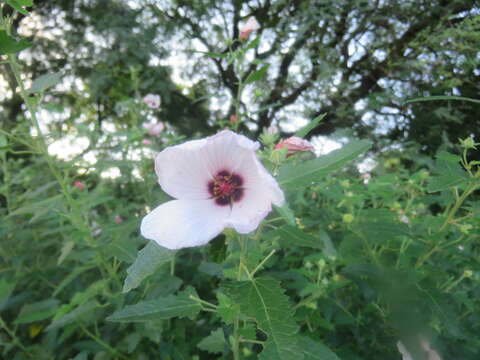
pixel 217 182
pixel 250 26
pixel 146 142
pixel 153 129
pixel 152 101
pixel 118 219
pixel 79 185
pixel 294 145
pixel 233 119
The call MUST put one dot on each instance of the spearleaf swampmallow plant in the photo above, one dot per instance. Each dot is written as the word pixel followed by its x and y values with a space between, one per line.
pixel 356 265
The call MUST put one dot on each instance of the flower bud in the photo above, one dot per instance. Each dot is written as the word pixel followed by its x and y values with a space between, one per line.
pixel 250 26
pixel 79 185
pixel 467 143
pixel 233 119
pixel 146 142
pixel 295 144
pixel 347 218
pixel 118 219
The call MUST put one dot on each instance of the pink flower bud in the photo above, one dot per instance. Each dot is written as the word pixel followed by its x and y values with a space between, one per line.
pixel 146 142
pixel 233 119
pixel 152 101
pixel 118 219
pixel 154 129
pixel 79 185
pixel 250 26
pixel 295 144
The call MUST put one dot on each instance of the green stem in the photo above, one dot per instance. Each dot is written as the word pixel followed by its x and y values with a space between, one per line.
pixel 111 350
pixel 236 322
pixel 471 188
pixel 14 338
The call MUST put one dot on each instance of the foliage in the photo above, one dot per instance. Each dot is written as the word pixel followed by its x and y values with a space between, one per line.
pixel 352 264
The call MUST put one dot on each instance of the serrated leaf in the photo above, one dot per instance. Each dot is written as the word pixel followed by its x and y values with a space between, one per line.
pixel 314 350
pixel 264 300
pixel 147 261
pixel 310 126
pixel 44 82
pixel 160 309
pixel 37 311
pixel 444 155
pixel 75 315
pixel 286 213
pixel 227 310
pixel 298 175
pixel 290 236
pixel 124 249
pixel 66 249
pixel 256 75
pixel 8 45
pixel 448 174
pixel 213 343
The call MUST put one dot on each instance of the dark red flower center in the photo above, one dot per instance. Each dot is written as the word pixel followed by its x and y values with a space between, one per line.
pixel 226 188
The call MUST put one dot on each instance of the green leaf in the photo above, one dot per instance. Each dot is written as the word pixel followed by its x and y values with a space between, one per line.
pixel 299 175
pixel 37 311
pixel 449 174
pixel 122 248
pixel 6 290
pixel 286 213
pixel 161 309
pixel 310 126
pixel 213 54
pixel 66 249
pixel 328 247
pixel 213 343
pixel 440 97
pixel 265 301
pixel 227 310
pixel 8 45
pixel 148 260
pixel 380 225
pixel 19 5
pixel 256 75
pixel 290 236
pixel 3 141
pixel 76 315
pixel 44 82
pixel 314 350
pixel 444 155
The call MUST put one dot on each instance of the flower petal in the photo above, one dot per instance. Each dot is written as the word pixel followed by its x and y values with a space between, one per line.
pixel 185 170
pixel 260 191
pixel 179 224
pixel 182 172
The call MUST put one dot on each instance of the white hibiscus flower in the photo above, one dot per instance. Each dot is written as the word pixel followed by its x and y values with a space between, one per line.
pixel 218 182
